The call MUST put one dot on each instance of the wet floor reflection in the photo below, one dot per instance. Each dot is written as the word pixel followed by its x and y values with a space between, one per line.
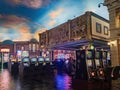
pixel 5 80
pixel 63 82
pixel 34 82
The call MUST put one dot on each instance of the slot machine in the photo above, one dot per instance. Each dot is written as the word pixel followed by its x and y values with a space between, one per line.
pixel 104 58
pixel 33 61
pixel 26 62
pixel 90 54
pixel 40 61
pixel 98 58
pixel 98 64
pixel 13 61
pixel 24 68
pixel 33 66
pixel 115 74
pixel 48 67
pixel 47 60
pixel 85 64
pixel 13 65
pixel 109 58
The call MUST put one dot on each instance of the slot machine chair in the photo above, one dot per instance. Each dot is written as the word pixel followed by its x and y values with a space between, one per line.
pixel 115 73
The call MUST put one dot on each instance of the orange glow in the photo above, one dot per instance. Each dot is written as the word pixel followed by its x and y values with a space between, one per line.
pixel 92 73
pixel 13 60
pixel 19 60
pixel 101 72
pixel 5 50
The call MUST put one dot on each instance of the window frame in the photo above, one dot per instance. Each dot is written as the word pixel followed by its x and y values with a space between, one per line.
pixel 105 32
pixel 98 27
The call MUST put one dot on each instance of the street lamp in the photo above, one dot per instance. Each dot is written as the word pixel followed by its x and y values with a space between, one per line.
pixel 100 4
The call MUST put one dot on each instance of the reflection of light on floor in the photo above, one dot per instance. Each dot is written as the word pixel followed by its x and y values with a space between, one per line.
pixel 5 80
pixel 18 87
pixel 63 82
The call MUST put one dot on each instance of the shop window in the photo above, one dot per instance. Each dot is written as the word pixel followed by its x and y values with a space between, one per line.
pixel 105 30
pixel 22 48
pixel 37 47
pixel 29 46
pixel 98 27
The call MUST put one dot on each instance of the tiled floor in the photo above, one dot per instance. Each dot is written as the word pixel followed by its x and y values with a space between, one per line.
pixel 116 84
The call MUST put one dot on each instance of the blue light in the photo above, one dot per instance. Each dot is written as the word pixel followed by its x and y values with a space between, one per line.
pixel 63 82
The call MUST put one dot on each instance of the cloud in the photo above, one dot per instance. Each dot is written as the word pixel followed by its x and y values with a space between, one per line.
pixel 52 22
pixel 29 3
pixel 3 30
pixel 24 36
pixel 12 20
pixel 24 29
pixel 56 13
pixel 32 3
pixel 53 16
pixel 18 26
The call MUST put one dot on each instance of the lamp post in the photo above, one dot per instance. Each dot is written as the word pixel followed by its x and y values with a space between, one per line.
pixel 100 4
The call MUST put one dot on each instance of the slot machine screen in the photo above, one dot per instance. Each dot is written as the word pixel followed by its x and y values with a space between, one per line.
pixel 41 59
pixel 33 59
pixel 47 59
pixel 89 55
pixel 108 56
pixel 104 55
pixel 26 60
pixel 89 63
pixel 97 54
pixel 104 62
pixel 97 62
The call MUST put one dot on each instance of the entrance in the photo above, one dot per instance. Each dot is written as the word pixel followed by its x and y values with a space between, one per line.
pixel 5 57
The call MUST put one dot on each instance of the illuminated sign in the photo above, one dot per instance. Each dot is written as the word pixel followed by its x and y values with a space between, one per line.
pixel 5 50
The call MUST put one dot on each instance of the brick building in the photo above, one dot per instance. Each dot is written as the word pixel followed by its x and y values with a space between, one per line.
pixel 11 48
pixel 87 29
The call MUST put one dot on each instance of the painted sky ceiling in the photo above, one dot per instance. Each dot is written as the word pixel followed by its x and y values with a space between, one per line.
pixel 24 19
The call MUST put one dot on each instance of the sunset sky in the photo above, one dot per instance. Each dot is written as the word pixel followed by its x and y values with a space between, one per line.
pixel 24 19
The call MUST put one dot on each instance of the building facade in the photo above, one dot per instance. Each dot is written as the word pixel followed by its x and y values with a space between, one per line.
pixel 80 32
pixel 114 16
pixel 18 49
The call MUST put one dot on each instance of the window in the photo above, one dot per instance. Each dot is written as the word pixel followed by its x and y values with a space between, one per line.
pixel 33 47
pixel 105 30
pixel 98 27
pixel 37 47
pixel 29 46
pixel 22 48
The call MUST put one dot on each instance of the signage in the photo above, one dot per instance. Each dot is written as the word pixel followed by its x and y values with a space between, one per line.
pixel 5 50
